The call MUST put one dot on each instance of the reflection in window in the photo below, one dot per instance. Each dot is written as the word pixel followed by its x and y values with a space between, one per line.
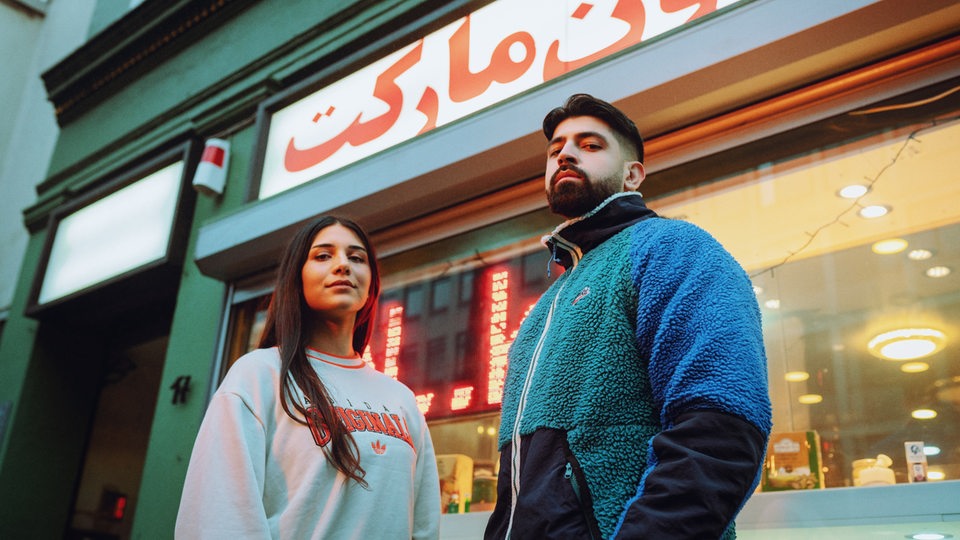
pixel 440 293
pixel 860 315
pixel 859 337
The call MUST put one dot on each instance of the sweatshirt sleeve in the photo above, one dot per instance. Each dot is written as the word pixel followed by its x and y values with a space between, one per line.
pixel 426 510
pixel 699 324
pixel 223 492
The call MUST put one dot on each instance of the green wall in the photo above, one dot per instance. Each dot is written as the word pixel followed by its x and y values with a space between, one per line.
pixel 211 85
pixel 191 351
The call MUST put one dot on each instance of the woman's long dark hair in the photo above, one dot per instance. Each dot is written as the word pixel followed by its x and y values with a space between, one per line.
pixel 287 327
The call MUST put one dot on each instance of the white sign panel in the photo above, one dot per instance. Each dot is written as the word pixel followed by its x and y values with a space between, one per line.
pixel 118 233
pixel 494 53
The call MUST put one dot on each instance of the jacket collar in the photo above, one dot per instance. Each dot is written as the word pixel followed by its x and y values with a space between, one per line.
pixel 574 238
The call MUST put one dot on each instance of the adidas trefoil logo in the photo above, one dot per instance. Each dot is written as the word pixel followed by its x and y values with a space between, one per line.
pixel 584 292
pixel 378 447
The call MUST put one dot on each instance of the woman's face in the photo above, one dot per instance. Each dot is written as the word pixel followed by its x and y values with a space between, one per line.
pixel 336 275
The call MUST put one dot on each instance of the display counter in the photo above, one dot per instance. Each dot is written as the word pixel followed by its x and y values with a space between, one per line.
pixel 891 512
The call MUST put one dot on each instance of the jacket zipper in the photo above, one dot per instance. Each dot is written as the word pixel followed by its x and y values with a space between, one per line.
pixel 575 484
pixel 515 436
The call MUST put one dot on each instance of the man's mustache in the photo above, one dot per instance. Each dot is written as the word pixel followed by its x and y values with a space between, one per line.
pixel 565 168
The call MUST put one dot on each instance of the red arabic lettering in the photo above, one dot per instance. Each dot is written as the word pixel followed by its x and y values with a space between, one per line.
pixel 358 133
pixel 465 84
pixel 628 11
pixel 706 6
pixel 429 105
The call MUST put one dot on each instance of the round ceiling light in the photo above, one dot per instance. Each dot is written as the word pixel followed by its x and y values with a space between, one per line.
pixel 938 271
pixel 853 191
pixel 907 343
pixel 796 376
pixel 914 367
pixel 874 211
pixel 889 246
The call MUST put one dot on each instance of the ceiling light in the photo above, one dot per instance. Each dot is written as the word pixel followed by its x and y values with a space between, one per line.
pixel 874 211
pixel 936 475
pixel 796 376
pixel 919 254
pixel 938 271
pixel 929 536
pixel 931 450
pixel 853 191
pixel 810 399
pixel 907 343
pixel 924 414
pixel 757 290
pixel 914 367
pixel 772 303
pixel 889 247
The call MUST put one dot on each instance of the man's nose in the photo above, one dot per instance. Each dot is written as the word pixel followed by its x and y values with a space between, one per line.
pixel 567 154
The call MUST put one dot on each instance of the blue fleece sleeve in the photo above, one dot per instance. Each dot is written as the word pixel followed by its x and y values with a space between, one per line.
pixel 698 324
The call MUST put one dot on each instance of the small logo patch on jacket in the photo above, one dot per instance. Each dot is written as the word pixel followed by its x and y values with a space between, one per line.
pixel 584 292
pixel 378 447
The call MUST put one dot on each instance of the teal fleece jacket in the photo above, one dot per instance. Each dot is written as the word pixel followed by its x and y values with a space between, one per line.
pixel 650 337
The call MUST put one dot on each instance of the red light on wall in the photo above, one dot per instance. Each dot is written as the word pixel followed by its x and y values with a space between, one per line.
pixel 368 357
pixel 461 398
pixel 424 401
pixel 513 335
pixel 497 364
pixel 113 505
pixel 394 339
pixel 119 507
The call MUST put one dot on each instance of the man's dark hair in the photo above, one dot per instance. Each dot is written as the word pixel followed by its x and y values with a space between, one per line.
pixel 587 105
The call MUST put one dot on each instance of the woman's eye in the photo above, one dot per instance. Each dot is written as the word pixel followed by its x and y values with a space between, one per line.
pixel 357 259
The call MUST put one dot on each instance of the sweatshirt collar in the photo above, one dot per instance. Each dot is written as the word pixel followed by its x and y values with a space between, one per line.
pixel 351 362
pixel 574 238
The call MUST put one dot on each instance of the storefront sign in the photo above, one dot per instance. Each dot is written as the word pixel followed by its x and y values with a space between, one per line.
pixel 498 51
pixel 118 233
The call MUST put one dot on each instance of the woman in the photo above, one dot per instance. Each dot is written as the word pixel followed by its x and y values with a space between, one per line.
pixel 303 439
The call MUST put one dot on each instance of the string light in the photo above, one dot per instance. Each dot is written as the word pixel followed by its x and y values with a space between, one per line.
pixel 855 203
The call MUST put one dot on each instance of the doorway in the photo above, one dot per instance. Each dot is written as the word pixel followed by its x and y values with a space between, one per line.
pixel 109 481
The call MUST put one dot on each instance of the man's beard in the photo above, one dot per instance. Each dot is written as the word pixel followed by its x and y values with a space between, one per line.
pixel 577 197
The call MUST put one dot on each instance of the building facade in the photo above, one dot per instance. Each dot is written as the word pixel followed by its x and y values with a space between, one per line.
pixel 42 34
pixel 815 140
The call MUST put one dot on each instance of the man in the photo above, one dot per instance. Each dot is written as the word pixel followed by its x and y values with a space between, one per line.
pixel 636 401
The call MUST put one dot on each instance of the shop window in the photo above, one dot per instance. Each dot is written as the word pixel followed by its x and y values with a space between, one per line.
pixel 440 294
pixel 859 293
pixel 853 252
pixel 413 306
pixel 466 288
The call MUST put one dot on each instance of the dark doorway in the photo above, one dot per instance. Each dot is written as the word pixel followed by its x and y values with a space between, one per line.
pixel 109 481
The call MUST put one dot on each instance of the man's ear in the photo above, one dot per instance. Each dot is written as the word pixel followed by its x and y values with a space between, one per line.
pixel 635 174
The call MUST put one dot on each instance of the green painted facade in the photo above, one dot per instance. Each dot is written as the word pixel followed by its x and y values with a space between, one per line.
pixel 163 74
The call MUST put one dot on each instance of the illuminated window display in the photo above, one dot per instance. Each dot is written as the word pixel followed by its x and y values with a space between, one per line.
pixel 854 252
